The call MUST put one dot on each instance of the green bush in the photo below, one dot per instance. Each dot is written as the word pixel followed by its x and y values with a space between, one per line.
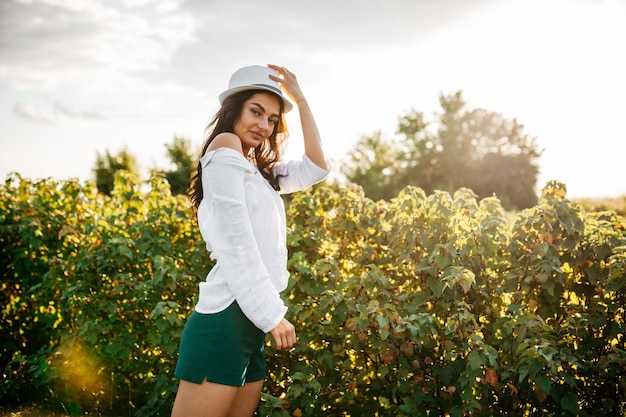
pixel 425 305
pixel 95 293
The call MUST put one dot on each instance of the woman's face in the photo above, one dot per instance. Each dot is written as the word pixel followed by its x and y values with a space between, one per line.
pixel 258 119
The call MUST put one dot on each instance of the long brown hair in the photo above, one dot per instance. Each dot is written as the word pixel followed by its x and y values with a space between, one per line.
pixel 266 154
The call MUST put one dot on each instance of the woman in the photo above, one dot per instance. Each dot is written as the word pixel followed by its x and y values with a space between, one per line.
pixel 241 216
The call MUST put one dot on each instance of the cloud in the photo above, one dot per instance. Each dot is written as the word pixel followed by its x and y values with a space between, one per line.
pixel 86 44
pixel 33 113
pixel 73 112
pixel 325 23
pixel 99 45
pixel 229 34
pixel 51 113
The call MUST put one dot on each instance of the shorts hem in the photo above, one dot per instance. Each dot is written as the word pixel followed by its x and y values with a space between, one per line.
pixel 230 380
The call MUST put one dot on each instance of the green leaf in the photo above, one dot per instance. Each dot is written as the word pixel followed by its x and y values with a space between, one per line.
pixel 436 286
pixel 492 355
pixel 534 366
pixel 125 251
pixel 384 333
pixel 382 321
pixel 475 359
pixel 570 404
pixel 544 383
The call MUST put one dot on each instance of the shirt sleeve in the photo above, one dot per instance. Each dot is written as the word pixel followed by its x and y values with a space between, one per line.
pixel 299 175
pixel 229 232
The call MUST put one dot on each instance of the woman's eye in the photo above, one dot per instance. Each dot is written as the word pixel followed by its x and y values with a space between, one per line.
pixel 273 121
pixel 256 112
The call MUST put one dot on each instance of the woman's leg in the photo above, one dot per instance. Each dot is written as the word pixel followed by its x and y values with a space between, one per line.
pixel 247 400
pixel 204 400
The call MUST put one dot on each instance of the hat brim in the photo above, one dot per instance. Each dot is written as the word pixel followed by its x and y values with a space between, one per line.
pixel 286 103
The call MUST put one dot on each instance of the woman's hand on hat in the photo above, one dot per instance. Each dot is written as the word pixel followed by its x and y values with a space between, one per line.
pixel 289 83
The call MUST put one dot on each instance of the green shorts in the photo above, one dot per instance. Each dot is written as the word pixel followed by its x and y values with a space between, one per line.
pixel 225 348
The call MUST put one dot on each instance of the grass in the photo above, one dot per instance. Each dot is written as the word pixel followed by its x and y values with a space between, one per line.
pixel 34 410
pixel 617 204
pixel 28 411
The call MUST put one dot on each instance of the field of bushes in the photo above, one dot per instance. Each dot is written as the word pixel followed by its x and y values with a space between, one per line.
pixel 424 305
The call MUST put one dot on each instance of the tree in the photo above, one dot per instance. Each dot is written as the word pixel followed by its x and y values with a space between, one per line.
pixel 107 165
pixel 488 153
pixel 184 159
pixel 373 164
pixel 471 148
pixel 419 150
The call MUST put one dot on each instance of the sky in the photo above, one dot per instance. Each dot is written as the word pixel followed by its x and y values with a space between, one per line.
pixel 82 77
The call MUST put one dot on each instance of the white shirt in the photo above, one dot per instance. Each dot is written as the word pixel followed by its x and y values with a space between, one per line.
pixel 242 220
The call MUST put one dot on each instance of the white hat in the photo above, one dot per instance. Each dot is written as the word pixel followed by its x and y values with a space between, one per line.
pixel 254 77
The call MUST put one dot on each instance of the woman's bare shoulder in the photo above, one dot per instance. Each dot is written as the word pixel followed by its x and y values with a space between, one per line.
pixel 226 140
